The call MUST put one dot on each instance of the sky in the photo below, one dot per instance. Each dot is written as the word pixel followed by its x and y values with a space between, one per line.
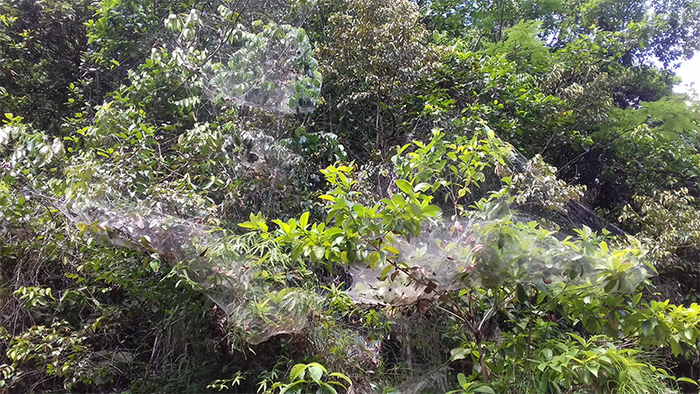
pixel 689 71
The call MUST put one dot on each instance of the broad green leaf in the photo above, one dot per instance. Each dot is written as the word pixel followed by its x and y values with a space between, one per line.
pixel 385 272
pixel 423 186
pixel 586 376
pixel 635 300
pixel 675 347
pixel 304 220
pixel 297 372
pixel 373 259
pixel 522 296
pixel 593 367
pixel 462 379
pixel 398 199
pixel 547 353
pixel 415 210
pixel 296 251
pixel 391 249
pixel 431 210
pixel 543 382
pixel 248 225
pixel 404 186
pixel 688 334
pixel 315 373
pixel 293 387
pixel 325 388
pixel 318 252
pixel 459 353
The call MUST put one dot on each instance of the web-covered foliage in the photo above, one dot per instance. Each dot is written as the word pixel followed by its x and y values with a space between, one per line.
pixel 269 67
pixel 210 207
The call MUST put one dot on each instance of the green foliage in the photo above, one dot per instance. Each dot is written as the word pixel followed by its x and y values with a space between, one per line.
pixel 538 186
pixel 658 136
pixel 41 44
pixel 225 384
pixel 53 353
pixel 589 284
pixel 453 169
pixel 666 224
pixel 473 87
pixel 467 387
pixel 178 212
pixel 522 42
pixel 666 221
pixel 372 54
pixel 307 377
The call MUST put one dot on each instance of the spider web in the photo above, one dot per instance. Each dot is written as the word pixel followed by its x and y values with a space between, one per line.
pixel 264 65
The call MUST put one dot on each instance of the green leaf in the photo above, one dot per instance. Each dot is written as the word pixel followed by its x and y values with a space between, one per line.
pixel 297 372
pixel 404 186
pixel 304 220
pixel 296 252
pixel 431 210
pixel 398 199
pixel 415 210
pixel 635 300
pixel 292 388
pixel 391 249
pixel 484 389
pixel 462 379
pixel 284 227
pixel 544 382
pixel 687 380
pixel 675 347
pixel 611 283
pixel 318 252
pixel 593 367
pixel 326 388
pixel 547 353
pixel 340 375
pixel 522 296
pixel 593 326
pixel 659 333
pixel 360 210
pixel 248 225
pixel 459 353
pixel 385 272
pixel 586 376
pixel 315 372
pixel 688 334
pixel 373 259
pixel 423 186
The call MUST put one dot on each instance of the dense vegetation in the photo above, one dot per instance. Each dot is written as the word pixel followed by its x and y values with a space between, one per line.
pixel 348 196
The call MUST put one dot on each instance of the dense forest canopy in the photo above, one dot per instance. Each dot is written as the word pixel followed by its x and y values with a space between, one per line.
pixel 348 196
